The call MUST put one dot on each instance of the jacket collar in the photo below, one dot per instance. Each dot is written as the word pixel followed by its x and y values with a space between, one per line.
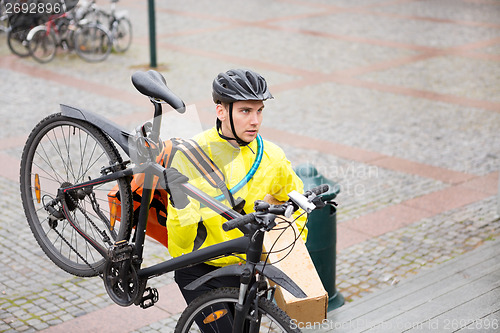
pixel 213 136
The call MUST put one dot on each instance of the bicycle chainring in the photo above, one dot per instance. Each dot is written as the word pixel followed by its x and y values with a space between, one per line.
pixel 121 282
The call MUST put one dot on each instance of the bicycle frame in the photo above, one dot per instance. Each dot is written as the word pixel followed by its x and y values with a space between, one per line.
pixel 151 169
pixel 51 26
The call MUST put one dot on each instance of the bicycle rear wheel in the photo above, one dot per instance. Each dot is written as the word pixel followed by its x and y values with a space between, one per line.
pixel 61 152
pixel 214 310
pixel 93 43
pixel 42 45
pixel 122 34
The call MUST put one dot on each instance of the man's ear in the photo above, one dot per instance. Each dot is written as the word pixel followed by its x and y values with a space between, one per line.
pixel 221 112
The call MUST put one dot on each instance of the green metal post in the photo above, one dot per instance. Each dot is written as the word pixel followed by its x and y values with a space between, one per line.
pixel 152 33
pixel 322 233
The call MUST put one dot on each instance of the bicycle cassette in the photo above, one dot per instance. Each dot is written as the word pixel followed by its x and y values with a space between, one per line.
pixel 121 282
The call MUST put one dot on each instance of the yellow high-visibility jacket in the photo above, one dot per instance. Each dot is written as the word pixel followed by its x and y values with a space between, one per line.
pixel 196 227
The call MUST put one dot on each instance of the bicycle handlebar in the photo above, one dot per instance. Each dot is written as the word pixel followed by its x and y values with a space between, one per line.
pixel 238 222
pixel 318 189
pixel 301 200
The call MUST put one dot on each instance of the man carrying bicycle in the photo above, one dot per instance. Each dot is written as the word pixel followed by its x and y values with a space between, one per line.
pixel 252 168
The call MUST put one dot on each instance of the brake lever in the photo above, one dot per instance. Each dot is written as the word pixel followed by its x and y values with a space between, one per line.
pixel 318 202
pixel 269 222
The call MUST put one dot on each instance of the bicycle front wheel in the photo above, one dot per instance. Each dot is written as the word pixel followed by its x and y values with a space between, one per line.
pixel 92 43
pixel 17 42
pixel 42 45
pixel 61 152
pixel 214 311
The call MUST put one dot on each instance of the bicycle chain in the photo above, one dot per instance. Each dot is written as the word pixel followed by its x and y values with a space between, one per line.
pixel 103 233
pixel 77 253
pixel 105 237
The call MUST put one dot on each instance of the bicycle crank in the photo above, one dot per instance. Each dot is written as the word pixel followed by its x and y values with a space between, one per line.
pixel 120 277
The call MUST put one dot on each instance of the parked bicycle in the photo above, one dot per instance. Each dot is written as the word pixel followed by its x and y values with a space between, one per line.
pixel 19 26
pixel 90 41
pixel 69 166
pixel 120 27
pixel 118 24
pixel 4 17
pixel 19 17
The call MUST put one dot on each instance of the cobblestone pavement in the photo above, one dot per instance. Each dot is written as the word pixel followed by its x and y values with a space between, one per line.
pixel 397 101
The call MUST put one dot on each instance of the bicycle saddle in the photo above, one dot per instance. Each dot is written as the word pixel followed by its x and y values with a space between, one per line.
pixel 153 85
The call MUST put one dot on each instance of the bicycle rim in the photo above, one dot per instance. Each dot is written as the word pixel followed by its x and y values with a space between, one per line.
pixel 122 35
pixel 16 40
pixel 214 309
pixel 61 152
pixel 92 43
pixel 42 46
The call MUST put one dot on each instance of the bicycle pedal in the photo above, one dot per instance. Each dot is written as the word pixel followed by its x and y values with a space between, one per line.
pixel 120 251
pixel 149 298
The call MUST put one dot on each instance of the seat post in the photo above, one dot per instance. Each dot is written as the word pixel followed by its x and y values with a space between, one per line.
pixel 155 134
pixel 147 191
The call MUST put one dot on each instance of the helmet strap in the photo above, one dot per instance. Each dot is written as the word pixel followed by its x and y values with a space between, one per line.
pixel 236 138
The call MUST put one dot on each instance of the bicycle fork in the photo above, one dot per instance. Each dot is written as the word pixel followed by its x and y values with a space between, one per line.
pixel 248 297
pixel 245 301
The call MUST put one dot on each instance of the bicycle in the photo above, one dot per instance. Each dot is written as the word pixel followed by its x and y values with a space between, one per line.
pixel 4 17
pixel 117 23
pixel 18 27
pixel 23 16
pixel 69 165
pixel 90 41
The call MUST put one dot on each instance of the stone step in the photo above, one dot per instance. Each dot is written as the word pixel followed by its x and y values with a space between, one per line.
pixel 461 293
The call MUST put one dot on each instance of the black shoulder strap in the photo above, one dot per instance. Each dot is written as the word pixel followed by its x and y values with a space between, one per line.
pixel 212 174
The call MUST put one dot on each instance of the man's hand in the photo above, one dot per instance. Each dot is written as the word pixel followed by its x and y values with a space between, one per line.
pixel 172 182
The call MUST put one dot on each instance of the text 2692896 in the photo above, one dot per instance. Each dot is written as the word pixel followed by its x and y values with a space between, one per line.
pixel 32 8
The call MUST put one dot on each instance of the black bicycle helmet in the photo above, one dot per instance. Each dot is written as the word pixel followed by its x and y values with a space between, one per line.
pixel 238 85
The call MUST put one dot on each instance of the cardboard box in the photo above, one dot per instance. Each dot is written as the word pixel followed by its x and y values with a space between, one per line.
pixel 300 268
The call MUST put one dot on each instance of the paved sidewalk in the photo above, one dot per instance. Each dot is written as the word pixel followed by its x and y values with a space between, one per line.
pixel 457 296
pixel 397 101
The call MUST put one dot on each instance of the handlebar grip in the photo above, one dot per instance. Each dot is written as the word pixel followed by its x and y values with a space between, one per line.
pixel 238 222
pixel 320 189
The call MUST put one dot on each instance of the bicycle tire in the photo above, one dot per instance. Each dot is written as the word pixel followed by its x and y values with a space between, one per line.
pixel 273 318
pixel 61 151
pixel 122 34
pixel 4 18
pixel 66 33
pixel 42 45
pixel 93 43
pixel 17 43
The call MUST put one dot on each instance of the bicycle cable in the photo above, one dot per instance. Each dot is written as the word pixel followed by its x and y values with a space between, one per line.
pixel 291 245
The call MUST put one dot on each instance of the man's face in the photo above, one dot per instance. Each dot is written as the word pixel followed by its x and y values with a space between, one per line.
pixel 247 118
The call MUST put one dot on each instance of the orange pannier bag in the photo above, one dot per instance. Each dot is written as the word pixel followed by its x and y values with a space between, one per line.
pixel 156 227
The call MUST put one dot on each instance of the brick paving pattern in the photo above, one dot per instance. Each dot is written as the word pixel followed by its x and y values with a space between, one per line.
pixel 397 101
